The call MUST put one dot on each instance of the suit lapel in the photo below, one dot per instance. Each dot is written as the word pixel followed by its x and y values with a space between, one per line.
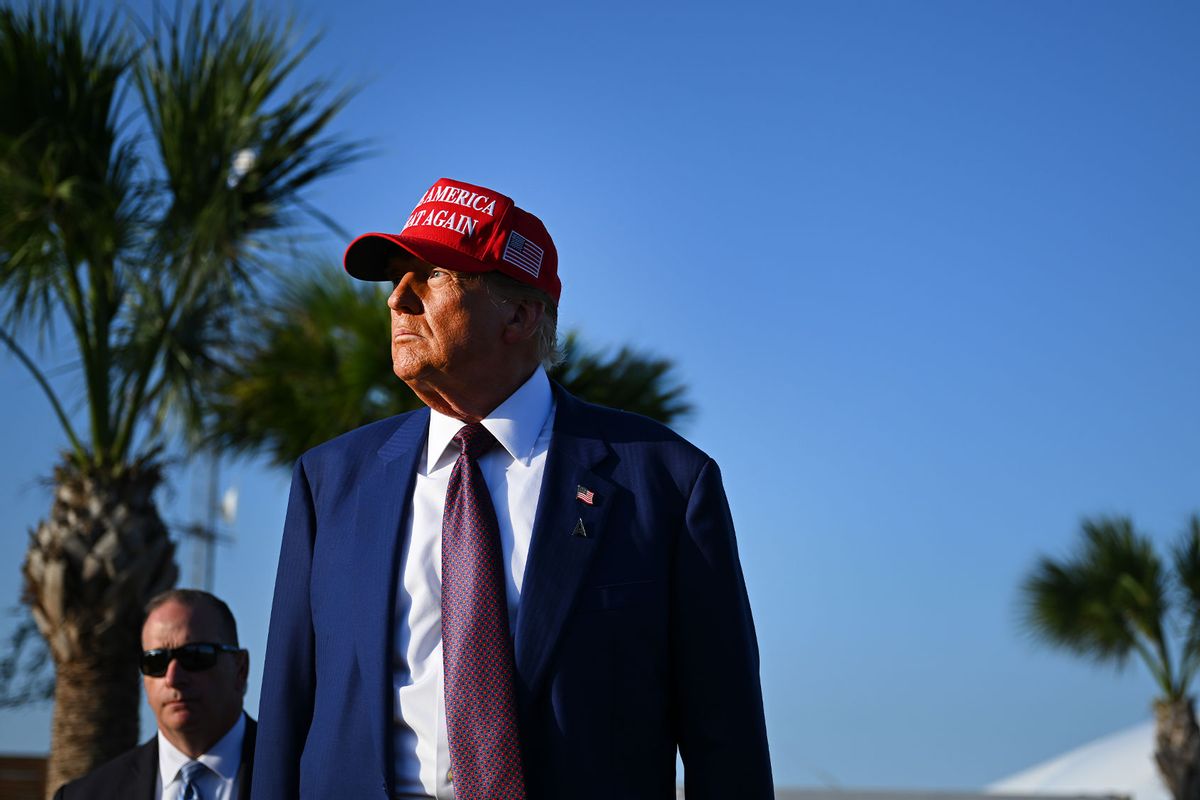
pixel 380 515
pixel 566 533
pixel 246 765
pixel 144 777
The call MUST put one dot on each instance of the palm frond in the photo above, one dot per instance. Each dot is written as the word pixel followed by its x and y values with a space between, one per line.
pixel 320 366
pixel 236 154
pixel 67 195
pixel 628 380
pixel 63 171
pixel 216 87
pixel 1185 557
pixel 1107 602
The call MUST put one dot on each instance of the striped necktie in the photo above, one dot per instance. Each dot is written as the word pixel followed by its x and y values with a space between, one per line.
pixel 190 775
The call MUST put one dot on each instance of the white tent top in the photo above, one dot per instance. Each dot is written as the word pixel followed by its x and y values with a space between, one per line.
pixel 1119 764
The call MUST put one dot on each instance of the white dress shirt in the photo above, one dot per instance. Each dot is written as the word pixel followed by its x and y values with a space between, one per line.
pixel 222 760
pixel 513 472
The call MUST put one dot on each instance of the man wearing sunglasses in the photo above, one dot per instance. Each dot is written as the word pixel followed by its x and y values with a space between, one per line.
pixel 195 678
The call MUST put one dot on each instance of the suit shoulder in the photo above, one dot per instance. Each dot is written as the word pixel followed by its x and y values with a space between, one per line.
pixel 630 422
pixel 360 440
pixel 629 432
pixel 113 779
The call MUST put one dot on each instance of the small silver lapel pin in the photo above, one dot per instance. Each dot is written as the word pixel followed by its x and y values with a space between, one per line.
pixel 579 530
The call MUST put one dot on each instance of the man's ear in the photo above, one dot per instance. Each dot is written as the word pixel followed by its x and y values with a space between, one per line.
pixel 523 320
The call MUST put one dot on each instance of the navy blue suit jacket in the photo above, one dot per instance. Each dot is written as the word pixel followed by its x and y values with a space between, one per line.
pixel 629 641
pixel 133 775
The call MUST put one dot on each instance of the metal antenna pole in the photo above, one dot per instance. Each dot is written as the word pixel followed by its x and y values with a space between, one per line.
pixel 210 546
pixel 203 533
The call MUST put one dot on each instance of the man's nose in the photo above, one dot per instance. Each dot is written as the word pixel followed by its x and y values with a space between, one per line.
pixel 175 674
pixel 403 298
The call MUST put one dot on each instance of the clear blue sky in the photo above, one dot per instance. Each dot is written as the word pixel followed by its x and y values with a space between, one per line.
pixel 928 268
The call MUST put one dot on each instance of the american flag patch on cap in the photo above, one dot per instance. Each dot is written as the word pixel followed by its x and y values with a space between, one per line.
pixel 523 253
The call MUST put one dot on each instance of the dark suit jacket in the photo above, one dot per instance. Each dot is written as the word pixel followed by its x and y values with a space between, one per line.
pixel 134 775
pixel 629 641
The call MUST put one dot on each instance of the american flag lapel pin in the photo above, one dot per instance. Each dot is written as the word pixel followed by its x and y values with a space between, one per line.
pixel 585 495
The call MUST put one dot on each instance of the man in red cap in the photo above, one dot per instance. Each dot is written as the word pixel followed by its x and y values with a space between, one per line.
pixel 511 593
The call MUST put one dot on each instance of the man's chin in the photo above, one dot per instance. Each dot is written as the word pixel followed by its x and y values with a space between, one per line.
pixel 180 714
pixel 408 370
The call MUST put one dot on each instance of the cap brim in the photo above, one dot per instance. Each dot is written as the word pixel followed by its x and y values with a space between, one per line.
pixel 367 256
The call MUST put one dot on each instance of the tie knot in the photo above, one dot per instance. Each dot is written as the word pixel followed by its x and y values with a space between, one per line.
pixel 474 440
pixel 189 776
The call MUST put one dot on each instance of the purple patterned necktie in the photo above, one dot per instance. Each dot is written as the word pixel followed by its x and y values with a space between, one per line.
pixel 477 652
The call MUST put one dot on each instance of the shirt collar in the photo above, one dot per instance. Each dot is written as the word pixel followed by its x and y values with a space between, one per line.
pixel 223 758
pixel 516 423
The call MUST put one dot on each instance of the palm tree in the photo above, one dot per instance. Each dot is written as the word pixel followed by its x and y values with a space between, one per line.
pixel 321 365
pixel 1114 599
pixel 629 379
pixel 140 177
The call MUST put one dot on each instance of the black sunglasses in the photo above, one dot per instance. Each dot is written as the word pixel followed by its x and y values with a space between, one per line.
pixel 193 657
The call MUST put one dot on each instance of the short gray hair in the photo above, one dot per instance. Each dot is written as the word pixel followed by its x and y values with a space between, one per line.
pixel 504 289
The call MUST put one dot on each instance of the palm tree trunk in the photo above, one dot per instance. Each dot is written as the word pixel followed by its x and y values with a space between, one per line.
pixel 1178 747
pixel 95 716
pixel 90 569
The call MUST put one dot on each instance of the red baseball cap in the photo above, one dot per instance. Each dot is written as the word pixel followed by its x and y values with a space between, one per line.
pixel 466 228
